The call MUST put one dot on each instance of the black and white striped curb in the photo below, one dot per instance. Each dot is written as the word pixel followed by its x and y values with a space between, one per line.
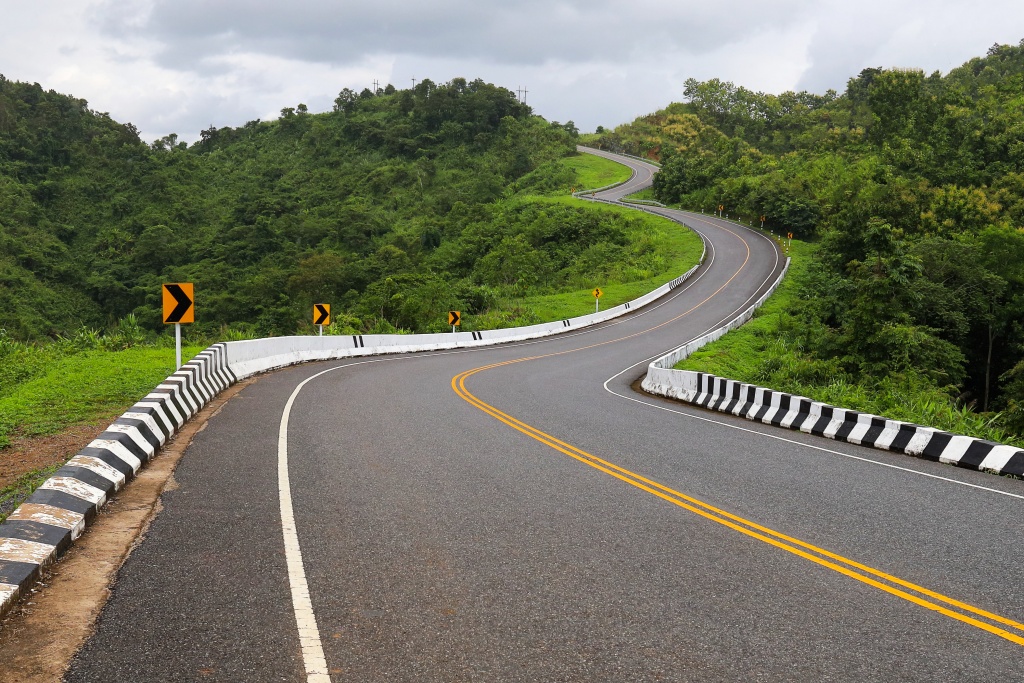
pixel 812 417
pixel 800 413
pixel 44 526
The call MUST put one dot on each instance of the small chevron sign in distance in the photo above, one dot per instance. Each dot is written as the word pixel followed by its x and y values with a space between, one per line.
pixel 178 299
pixel 454 318
pixel 321 314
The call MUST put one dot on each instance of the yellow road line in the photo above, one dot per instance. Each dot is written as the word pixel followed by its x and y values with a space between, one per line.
pixel 747 527
pixel 812 553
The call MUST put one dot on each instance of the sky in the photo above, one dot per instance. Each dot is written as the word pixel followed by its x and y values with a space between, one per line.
pixel 180 66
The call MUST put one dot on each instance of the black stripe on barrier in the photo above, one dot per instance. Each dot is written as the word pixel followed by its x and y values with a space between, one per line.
pixel 103 455
pixel 936 445
pixel 63 500
pixel 748 400
pixel 803 411
pixel 784 402
pixel 874 431
pixel 1015 465
pixel 627 305
pixel 849 423
pixel 165 428
pixel 174 386
pixel 18 573
pixel 766 405
pixel 189 379
pixel 357 339
pixel 144 430
pixel 566 323
pixel 126 441
pixel 976 453
pixel 37 532
pixel 167 398
pixel 818 428
pixel 87 476
pixel 904 435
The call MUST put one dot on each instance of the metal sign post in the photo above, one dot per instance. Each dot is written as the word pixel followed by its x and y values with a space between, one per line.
pixel 178 304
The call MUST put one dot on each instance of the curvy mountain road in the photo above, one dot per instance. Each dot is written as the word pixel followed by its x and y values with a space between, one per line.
pixel 519 513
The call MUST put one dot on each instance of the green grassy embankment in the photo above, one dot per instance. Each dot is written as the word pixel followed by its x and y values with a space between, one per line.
pixel 45 389
pixel 83 387
pixel 593 171
pixel 768 352
pixel 69 391
pixel 678 248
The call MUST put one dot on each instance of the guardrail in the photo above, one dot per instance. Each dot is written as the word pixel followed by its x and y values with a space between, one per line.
pixel 42 528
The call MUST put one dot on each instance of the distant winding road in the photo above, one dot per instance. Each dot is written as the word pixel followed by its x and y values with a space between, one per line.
pixel 519 513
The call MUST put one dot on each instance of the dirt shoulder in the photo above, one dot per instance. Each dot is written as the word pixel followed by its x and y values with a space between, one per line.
pixel 41 635
pixel 30 453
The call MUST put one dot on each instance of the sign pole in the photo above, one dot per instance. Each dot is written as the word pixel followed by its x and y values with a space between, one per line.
pixel 321 330
pixel 177 346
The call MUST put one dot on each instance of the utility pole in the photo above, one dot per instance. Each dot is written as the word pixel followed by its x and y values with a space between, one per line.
pixel 521 92
pixel 376 86
pixel 414 84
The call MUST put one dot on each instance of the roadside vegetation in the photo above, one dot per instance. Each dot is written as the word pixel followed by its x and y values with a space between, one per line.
pixel 771 351
pixel 910 187
pixel 395 207
pixel 593 172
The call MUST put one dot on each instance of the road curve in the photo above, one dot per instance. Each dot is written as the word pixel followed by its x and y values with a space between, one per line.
pixel 519 513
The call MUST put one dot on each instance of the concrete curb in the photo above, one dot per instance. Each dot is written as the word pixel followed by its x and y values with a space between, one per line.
pixel 42 528
pixel 812 417
pixel 47 523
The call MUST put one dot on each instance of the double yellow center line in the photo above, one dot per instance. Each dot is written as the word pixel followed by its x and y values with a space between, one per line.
pixel 955 609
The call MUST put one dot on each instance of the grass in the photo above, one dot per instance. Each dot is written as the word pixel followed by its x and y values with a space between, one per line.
pixel 593 171
pixel 768 351
pixel 81 388
pixel 647 194
pixel 679 247
pixel 45 389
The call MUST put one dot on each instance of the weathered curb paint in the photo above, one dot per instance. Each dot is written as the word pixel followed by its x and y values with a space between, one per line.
pixel 39 531
pixel 812 417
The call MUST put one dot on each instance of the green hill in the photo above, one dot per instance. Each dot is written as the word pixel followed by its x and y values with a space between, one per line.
pixel 394 207
pixel 912 187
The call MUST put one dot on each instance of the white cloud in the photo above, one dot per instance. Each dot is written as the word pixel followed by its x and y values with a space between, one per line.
pixel 179 66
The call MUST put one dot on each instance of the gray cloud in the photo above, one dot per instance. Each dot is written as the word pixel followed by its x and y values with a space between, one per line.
pixel 181 65
pixel 194 33
pixel 934 36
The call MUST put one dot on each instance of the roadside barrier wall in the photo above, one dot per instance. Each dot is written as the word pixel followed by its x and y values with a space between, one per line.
pixel 42 528
pixel 812 417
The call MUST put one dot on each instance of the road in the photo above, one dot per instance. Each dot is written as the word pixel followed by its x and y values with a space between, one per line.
pixel 519 513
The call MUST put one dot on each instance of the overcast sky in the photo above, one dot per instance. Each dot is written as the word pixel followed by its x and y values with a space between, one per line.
pixel 178 66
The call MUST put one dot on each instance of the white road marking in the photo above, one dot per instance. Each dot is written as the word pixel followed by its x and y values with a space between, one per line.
pixel 309 635
pixel 791 441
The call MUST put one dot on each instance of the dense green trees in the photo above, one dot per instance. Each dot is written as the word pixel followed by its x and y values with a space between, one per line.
pixel 913 186
pixel 393 206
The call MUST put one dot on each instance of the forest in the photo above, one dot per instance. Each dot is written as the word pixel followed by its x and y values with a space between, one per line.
pixel 909 190
pixel 395 207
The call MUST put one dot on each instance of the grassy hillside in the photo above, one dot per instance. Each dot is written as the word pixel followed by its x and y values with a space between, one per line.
pixel 911 187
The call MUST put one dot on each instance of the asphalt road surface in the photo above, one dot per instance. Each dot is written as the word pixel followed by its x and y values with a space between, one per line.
pixel 519 513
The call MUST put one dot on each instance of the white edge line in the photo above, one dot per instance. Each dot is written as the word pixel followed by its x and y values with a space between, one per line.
pixel 791 441
pixel 305 620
